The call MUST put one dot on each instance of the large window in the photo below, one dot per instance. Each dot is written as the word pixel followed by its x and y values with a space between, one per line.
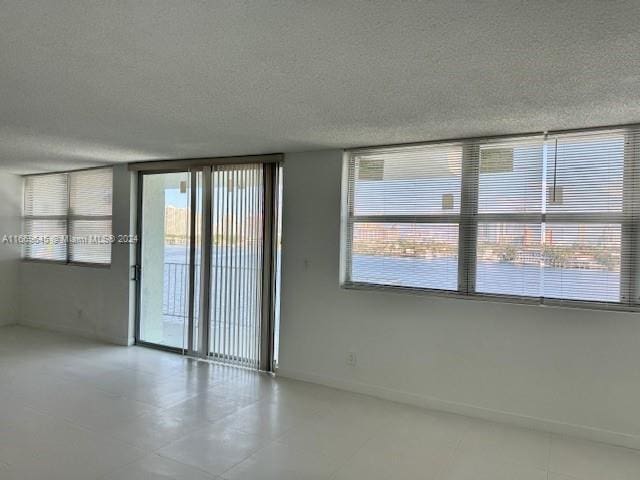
pixel 544 217
pixel 405 207
pixel 67 216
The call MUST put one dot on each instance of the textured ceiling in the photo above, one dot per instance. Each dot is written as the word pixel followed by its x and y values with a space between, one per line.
pixel 87 83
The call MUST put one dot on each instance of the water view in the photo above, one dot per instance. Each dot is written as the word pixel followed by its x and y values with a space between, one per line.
pixel 491 277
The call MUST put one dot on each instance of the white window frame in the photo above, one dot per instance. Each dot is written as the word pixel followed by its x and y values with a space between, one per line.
pixel 69 217
pixel 468 221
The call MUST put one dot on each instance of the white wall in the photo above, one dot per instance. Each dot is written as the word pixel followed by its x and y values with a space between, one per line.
pixel 566 370
pixel 90 301
pixel 10 224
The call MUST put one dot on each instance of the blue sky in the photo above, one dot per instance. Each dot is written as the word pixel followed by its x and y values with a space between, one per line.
pixel 172 196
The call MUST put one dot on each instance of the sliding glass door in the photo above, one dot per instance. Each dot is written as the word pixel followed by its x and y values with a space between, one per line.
pixel 236 258
pixel 165 258
pixel 208 261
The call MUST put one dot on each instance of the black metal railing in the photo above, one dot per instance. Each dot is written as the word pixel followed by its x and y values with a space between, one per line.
pixel 175 301
pixel 175 290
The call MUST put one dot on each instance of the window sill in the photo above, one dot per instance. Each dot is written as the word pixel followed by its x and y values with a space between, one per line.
pixel 63 263
pixel 531 301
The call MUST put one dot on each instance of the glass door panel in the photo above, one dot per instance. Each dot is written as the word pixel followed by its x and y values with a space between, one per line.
pixel 165 253
pixel 208 281
pixel 236 263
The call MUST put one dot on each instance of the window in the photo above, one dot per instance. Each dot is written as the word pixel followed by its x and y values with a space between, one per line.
pixel 509 220
pixel 67 216
pixel 404 216
pixel 547 218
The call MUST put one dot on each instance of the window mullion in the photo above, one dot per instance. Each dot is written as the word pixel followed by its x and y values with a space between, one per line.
pixel 67 242
pixel 348 178
pixel 468 227
pixel 629 259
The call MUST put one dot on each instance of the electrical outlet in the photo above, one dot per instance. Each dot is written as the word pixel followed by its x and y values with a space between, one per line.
pixel 351 358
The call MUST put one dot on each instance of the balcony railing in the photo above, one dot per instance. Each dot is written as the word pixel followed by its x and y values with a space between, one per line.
pixel 176 290
pixel 175 301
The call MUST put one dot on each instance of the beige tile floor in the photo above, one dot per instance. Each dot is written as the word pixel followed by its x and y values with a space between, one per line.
pixel 72 409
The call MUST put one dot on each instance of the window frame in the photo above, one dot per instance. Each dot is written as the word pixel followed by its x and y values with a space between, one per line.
pixel 348 219
pixel 468 220
pixel 69 218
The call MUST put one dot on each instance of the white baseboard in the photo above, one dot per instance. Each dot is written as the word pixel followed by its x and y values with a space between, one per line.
pixel 432 403
pixel 92 335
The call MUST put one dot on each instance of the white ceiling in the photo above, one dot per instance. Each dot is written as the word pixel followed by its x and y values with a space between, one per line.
pixel 87 83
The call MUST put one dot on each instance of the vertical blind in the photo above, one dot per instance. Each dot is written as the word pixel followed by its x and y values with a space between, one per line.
pixel 67 216
pixel 546 217
pixel 236 263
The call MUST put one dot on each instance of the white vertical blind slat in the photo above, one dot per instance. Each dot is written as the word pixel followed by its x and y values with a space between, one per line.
pixel 236 267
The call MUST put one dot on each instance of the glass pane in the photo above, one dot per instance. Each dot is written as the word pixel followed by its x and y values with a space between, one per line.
pixel 278 274
pixel 46 195
pixel 585 174
pixel 509 259
pixel 236 259
pixel 164 300
pixel 90 192
pixel 48 239
pixel 582 262
pixel 90 241
pixel 421 180
pixel 408 255
pixel 510 178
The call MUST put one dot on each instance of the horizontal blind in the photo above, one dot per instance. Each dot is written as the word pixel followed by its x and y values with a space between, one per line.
pixel 46 195
pixel 404 206
pixel 90 203
pixel 509 207
pixel 67 216
pixel 510 185
pixel 552 217
pixel 45 217
pixel 582 240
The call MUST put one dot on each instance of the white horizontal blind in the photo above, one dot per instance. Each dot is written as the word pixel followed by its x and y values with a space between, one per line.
pixel 510 185
pixel 90 200
pixel 548 217
pixel 582 240
pixel 404 206
pixel 67 216
pixel 45 217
